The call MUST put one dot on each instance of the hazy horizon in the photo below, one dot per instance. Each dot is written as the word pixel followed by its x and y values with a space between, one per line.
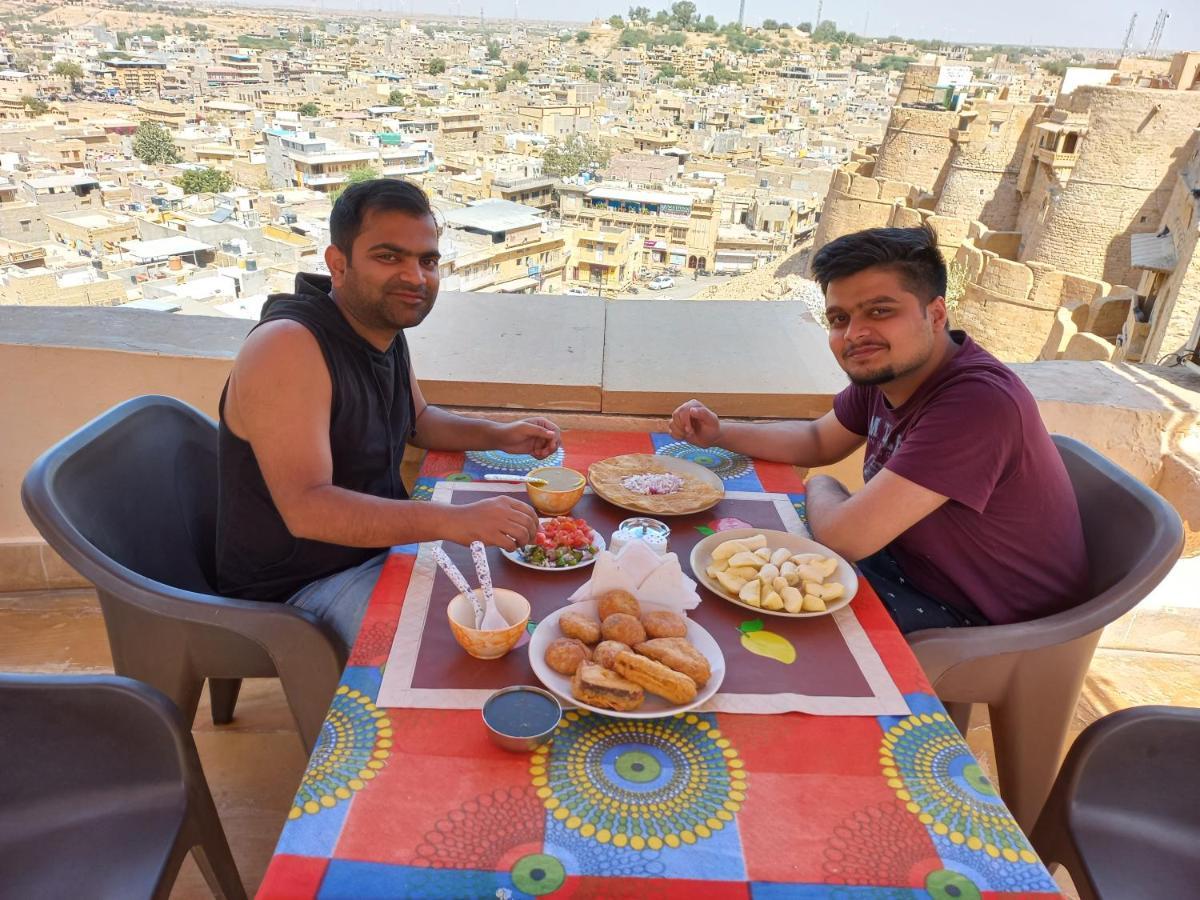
pixel 1012 22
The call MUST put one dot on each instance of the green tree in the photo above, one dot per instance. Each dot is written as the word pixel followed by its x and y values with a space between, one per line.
pixel 493 49
pixel 152 144
pixel 581 37
pixel 354 176
pixel 1057 67
pixel 35 106
pixel 893 63
pixel 396 98
pixel 835 53
pixel 770 25
pixel 309 109
pixel 827 33
pixel 639 14
pixel 806 27
pixel 521 67
pixel 67 69
pixel 667 71
pixel 663 18
pixel 616 21
pixel 204 181
pixel 437 66
pixel 708 26
pixel 683 14
pixel 573 155
pixel 591 74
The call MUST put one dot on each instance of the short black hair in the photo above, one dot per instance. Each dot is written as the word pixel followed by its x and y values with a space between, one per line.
pixel 391 194
pixel 912 252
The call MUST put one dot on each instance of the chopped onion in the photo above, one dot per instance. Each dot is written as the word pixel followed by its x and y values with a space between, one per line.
pixel 652 483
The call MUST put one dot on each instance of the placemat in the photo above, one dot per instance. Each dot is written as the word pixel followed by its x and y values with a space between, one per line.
pixel 835 669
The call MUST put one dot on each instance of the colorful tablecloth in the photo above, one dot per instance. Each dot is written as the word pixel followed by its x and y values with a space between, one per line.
pixel 418 803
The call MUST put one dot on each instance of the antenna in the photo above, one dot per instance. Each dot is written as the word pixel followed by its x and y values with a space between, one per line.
pixel 817 23
pixel 741 13
pixel 1128 36
pixel 1156 35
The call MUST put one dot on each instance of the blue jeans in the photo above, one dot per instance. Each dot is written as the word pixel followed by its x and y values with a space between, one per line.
pixel 910 608
pixel 341 599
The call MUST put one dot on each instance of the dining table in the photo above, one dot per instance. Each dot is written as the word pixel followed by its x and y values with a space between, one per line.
pixel 824 766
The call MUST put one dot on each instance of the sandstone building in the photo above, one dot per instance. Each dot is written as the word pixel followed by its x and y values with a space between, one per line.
pixel 1071 227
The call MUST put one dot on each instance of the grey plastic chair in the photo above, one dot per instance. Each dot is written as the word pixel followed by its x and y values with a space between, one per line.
pixel 103 795
pixel 1124 814
pixel 1030 674
pixel 130 501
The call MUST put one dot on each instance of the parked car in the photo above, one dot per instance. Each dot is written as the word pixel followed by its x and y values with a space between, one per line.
pixel 578 292
pixel 661 283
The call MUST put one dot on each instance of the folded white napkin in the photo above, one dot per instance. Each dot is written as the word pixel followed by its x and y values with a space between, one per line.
pixel 657 581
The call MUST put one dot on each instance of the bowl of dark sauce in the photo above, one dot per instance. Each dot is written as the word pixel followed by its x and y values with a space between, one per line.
pixel 521 718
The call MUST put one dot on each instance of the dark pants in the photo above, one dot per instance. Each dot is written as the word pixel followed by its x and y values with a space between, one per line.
pixel 909 608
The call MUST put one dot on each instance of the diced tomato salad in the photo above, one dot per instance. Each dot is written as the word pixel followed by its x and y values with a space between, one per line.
pixel 560 542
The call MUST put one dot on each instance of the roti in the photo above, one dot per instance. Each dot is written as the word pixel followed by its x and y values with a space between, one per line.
pixel 607 476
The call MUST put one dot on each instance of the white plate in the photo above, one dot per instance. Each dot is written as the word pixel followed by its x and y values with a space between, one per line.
pixel 671 464
pixel 701 559
pixel 653 707
pixel 515 555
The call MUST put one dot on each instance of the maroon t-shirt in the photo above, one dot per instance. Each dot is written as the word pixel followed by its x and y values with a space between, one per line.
pixel 1008 542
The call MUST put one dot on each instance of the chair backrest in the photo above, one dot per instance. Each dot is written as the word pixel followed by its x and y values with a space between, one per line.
pixel 67 739
pixel 1140 761
pixel 136 486
pixel 1133 536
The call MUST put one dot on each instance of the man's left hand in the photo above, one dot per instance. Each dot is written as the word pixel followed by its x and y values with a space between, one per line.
pixel 537 436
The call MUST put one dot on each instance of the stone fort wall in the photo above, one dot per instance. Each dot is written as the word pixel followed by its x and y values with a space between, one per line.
pixel 916 147
pixel 982 178
pixel 1121 182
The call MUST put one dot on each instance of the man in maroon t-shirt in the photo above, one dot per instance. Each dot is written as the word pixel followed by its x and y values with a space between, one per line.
pixel 967 516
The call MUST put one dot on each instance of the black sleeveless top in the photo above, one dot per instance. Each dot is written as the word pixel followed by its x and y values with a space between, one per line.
pixel 371 417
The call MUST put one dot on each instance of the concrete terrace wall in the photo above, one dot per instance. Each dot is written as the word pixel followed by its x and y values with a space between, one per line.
pixel 557 355
pixel 1121 182
pixel 916 147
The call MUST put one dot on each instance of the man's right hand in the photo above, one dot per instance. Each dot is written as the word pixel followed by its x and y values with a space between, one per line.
pixel 502 522
pixel 696 423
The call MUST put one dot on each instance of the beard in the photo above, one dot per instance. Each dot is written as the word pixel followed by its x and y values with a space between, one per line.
pixel 889 371
pixel 378 307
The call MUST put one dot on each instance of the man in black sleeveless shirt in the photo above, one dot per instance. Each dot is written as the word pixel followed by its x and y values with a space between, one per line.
pixel 318 408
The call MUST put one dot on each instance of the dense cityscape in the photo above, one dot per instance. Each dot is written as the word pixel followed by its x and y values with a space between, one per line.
pixel 173 158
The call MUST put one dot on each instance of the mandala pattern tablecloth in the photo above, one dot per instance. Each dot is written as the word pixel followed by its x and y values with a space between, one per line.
pixel 418 803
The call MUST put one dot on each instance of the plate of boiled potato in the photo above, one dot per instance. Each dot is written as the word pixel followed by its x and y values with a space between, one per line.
pixel 776 573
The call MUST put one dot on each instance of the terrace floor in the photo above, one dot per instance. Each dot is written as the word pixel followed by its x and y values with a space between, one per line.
pixel 254 765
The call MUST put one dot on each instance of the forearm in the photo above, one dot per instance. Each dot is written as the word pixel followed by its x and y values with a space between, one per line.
pixel 794 443
pixel 440 429
pixel 339 516
pixel 824 501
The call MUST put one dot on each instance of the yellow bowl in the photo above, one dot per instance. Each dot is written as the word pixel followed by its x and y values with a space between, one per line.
pixel 488 644
pixel 561 492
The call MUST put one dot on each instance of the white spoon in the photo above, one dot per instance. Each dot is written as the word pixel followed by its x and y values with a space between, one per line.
pixel 492 618
pixel 455 576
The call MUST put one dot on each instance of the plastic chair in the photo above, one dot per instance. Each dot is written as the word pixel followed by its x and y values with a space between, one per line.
pixel 103 792
pixel 1124 814
pixel 1030 674
pixel 130 501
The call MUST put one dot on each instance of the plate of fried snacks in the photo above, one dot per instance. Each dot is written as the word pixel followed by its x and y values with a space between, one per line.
pixel 613 657
pixel 656 485
pixel 774 572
